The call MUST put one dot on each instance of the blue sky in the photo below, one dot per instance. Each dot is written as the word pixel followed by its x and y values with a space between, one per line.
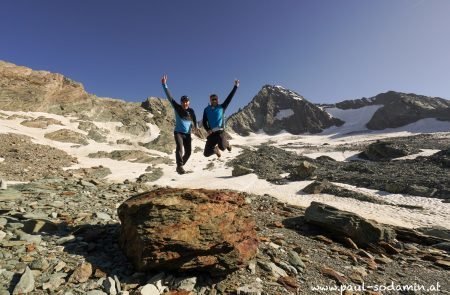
pixel 326 50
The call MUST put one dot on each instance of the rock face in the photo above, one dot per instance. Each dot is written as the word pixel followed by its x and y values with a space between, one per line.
pixel 274 109
pixel 187 230
pixel 24 89
pixel 400 109
pixel 362 231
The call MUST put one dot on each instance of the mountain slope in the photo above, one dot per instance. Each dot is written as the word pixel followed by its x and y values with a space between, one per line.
pixel 275 109
pixel 24 89
pixel 400 109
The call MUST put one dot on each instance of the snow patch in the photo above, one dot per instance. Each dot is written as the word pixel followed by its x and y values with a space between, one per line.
pixel 286 113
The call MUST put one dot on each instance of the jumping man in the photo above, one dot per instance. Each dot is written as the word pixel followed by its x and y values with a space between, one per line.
pixel 213 122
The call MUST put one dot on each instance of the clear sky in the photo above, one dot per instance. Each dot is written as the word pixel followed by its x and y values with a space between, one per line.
pixel 326 50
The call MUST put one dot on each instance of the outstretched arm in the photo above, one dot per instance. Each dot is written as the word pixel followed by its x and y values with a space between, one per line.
pixel 168 94
pixel 230 96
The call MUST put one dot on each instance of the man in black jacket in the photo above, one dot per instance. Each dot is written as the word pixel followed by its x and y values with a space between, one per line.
pixel 184 121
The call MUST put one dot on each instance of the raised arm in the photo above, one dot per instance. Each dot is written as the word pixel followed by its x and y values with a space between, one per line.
pixel 168 94
pixel 230 96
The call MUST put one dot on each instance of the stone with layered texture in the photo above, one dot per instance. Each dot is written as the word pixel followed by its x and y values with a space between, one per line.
pixel 188 230
pixel 362 231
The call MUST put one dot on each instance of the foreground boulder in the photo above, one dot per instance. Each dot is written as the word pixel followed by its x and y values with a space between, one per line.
pixel 346 224
pixel 187 230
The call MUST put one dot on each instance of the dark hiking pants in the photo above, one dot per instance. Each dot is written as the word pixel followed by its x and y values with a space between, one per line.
pixel 183 141
pixel 216 138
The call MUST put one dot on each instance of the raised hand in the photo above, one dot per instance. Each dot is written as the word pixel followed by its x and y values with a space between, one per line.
pixel 164 79
pixel 236 83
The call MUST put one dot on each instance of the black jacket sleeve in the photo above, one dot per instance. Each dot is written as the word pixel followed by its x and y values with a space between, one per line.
pixel 194 118
pixel 229 97
pixel 178 108
pixel 205 121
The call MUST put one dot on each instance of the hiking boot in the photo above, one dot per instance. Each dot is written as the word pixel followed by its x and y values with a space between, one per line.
pixel 217 151
pixel 229 148
pixel 180 170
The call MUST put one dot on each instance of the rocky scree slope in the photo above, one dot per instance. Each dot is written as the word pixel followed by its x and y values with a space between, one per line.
pixel 62 233
pixel 423 176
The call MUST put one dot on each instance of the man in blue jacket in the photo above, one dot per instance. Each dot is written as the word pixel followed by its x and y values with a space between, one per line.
pixel 214 123
pixel 184 120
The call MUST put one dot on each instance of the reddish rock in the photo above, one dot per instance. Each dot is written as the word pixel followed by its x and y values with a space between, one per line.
pixel 338 277
pixel 187 229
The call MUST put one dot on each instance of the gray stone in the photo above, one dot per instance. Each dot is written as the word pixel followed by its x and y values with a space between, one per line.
pixel 273 269
pixel 443 246
pixel 296 261
pixel 9 195
pixel 187 284
pixel 66 239
pixel 3 185
pixel 55 280
pixel 109 285
pixel 362 231
pixel 239 170
pixel 36 239
pixel 287 267
pixel 26 283
pixel 39 264
pixel 2 235
pixel 103 216
pixel 303 171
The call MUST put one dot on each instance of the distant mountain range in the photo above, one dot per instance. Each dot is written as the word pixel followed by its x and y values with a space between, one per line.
pixel 272 110
pixel 275 109
pixel 399 109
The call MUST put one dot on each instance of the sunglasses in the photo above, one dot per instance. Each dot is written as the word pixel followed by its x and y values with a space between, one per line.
pixel 214 99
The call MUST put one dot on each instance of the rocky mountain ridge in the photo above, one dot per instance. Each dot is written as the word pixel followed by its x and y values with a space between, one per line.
pixel 275 109
pixel 399 109
pixel 272 110
pixel 23 89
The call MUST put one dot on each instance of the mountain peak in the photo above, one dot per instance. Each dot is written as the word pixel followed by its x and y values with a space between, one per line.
pixel 271 89
pixel 276 108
